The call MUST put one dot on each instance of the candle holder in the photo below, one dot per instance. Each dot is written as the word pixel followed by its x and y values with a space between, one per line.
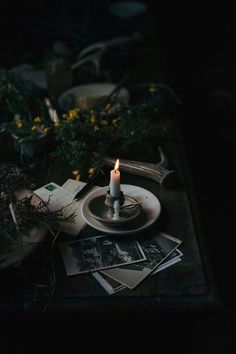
pixel 114 211
pixel 109 200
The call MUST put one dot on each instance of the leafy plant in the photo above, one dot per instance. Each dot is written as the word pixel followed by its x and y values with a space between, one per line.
pixel 25 116
pixel 28 129
pixel 86 136
pixel 23 108
pixel 19 96
pixel 30 136
pixel 19 216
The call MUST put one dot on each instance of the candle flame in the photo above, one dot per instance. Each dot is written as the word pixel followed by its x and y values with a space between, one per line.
pixel 116 165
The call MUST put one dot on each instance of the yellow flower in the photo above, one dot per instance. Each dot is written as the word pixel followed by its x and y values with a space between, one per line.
pixel 93 119
pixel 76 175
pixel 75 172
pixel 17 118
pixel 19 124
pixel 108 106
pixel 114 122
pixel 152 88
pixel 18 121
pixel 72 114
pixel 46 130
pixel 37 120
pixel 91 171
pixel 103 122
pixel 34 127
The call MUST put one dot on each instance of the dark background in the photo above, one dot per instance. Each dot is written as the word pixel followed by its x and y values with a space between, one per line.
pixel 191 48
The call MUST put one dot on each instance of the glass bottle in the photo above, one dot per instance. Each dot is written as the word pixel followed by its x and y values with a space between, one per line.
pixel 59 76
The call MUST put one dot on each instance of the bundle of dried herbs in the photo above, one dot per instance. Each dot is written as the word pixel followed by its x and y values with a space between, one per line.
pixel 19 216
pixel 12 178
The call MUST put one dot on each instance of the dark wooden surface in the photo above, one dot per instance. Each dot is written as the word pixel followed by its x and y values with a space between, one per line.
pixel 193 59
pixel 188 285
pixel 197 59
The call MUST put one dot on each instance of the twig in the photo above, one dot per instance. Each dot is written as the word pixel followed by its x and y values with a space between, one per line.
pixel 13 216
pixel 117 87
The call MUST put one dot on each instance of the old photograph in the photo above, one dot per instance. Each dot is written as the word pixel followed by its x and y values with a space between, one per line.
pixel 100 252
pixel 113 286
pixel 156 249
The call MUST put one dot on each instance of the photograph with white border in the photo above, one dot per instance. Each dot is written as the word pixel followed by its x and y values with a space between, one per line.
pixel 101 252
pixel 113 286
pixel 156 249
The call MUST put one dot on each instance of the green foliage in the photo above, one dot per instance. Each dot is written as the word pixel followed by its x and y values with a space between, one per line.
pixel 28 129
pixel 12 178
pixel 27 214
pixel 18 96
pixel 85 136
pixel 30 137
pixel 24 114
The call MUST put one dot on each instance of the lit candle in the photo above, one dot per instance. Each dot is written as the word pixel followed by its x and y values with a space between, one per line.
pixel 115 181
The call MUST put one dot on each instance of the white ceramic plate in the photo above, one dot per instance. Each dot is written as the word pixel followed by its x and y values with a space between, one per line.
pixel 150 204
pixel 86 95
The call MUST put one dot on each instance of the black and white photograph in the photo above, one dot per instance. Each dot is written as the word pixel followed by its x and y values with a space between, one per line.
pixel 113 286
pixel 100 252
pixel 156 249
pixel 110 285
pixel 173 258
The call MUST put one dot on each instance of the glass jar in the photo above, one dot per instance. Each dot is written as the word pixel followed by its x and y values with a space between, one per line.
pixel 59 76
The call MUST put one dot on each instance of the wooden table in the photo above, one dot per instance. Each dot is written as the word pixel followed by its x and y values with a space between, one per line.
pixel 188 285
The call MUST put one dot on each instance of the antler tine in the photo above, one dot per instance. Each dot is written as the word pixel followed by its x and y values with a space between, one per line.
pixel 158 172
pixel 164 161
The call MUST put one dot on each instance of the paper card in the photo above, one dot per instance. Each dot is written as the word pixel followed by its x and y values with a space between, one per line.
pixel 101 252
pixel 177 254
pixel 73 186
pixel 112 286
pixel 156 249
pixel 59 197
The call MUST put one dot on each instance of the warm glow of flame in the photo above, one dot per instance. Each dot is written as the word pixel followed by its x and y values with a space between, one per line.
pixel 116 165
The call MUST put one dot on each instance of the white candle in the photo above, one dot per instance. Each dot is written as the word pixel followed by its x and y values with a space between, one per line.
pixel 115 181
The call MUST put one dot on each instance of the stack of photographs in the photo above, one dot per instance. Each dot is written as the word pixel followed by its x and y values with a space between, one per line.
pixel 112 286
pixel 101 252
pixel 118 262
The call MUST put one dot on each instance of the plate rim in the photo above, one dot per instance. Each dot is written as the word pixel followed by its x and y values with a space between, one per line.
pixel 122 90
pixel 96 224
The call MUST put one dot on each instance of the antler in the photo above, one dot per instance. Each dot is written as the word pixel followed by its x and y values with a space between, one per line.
pixel 159 172
pixel 94 52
